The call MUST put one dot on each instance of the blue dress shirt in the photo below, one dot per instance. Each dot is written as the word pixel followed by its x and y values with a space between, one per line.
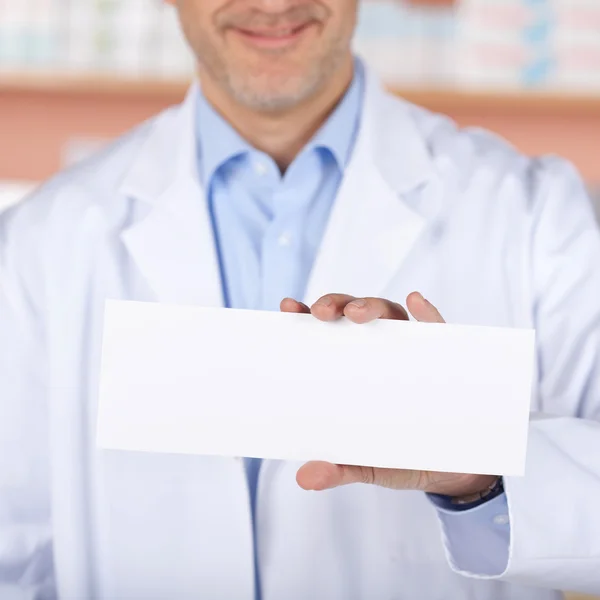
pixel 268 226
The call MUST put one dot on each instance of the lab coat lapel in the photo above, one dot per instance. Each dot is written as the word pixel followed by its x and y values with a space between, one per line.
pixel 383 204
pixel 171 239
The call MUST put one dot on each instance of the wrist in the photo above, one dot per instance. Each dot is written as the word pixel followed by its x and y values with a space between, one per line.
pixel 493 489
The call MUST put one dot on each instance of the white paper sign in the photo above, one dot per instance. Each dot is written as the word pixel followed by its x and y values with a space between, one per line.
pixel 269 385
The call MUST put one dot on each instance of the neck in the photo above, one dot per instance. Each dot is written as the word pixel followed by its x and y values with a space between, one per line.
pixel 283 134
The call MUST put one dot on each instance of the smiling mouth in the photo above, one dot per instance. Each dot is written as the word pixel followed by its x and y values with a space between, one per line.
pixel 274 38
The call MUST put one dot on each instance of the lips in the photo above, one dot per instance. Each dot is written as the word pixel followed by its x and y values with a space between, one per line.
pixel 275 33
pixel 274 38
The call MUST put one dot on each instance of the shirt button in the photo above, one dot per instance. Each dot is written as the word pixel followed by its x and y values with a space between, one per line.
pixel 285 239
pixel 501 520
pixel 260 168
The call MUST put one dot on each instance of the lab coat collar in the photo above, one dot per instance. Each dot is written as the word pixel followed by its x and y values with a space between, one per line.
pixel 380 211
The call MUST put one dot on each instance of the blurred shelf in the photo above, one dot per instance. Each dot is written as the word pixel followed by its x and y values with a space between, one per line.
pixel 504 102
pixel 438 100
pixel 49 82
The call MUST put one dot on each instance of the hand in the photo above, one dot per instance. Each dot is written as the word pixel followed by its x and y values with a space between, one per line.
pixel 321 475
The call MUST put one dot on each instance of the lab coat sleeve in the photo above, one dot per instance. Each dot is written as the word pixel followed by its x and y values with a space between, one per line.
pixel 26 566
pixel 554 511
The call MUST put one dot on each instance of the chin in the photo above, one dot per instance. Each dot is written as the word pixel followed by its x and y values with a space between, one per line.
pixel 275 93
pixel 269 102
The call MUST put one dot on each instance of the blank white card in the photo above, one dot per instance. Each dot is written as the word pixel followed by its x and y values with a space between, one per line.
pixel 237 383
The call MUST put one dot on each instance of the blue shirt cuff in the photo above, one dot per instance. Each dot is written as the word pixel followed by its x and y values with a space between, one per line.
pixel 477 540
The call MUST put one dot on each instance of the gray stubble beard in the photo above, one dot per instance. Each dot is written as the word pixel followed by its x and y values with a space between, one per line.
pixel 240 89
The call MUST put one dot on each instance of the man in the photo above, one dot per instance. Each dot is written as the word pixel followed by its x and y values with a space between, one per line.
pixel 292 176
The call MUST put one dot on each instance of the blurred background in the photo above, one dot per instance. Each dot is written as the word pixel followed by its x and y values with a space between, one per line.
pixel 76 73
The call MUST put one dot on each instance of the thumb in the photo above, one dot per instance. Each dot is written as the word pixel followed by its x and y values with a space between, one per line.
pixel 422 310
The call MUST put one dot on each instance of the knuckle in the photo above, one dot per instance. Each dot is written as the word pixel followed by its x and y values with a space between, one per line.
pixel 367 475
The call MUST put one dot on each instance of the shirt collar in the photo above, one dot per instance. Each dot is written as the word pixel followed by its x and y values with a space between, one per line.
pixel 219 142
pixel 339 132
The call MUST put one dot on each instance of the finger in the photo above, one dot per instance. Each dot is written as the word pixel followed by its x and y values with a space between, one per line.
pixel 319 476
pixel 330 307
pixel 364 310
pixel 422 310
pixel 289 305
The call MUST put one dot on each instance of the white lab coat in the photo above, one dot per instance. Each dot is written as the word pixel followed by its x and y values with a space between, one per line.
pixel 487 235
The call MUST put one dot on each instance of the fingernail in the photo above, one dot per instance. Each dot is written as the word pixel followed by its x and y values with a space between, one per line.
pixel 358 303
pixel 325 301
